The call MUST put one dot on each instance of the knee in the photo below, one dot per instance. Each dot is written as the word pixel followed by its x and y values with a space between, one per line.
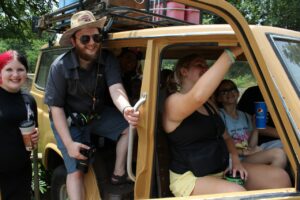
pixel 279 153
pixel 77 175
pixel 280 157
pixel 282 178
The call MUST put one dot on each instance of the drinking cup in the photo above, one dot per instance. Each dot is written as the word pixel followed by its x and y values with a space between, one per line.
pixel 27 129
pixel 260 114
pixel 237 179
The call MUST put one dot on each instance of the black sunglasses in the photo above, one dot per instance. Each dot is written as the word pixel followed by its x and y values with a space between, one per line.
pixel 85 39
pixel 227 91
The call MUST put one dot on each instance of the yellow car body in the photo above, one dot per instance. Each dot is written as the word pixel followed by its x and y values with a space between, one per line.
pixel 277 82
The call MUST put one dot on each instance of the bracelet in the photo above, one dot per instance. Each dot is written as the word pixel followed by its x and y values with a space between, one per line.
pixel 231 55
pixel 124 109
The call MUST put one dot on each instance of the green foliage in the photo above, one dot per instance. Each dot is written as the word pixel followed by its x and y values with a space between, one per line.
pixel 16 15
pixel 43 179
pixel 241 74
pixel 169 64
pixel 279 13
pixel 4 45
pixel 28 48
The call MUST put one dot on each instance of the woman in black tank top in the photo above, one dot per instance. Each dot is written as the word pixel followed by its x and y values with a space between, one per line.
pixel 197 138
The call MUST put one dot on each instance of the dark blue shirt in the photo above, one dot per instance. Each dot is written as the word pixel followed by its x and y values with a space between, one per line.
pixel 70 86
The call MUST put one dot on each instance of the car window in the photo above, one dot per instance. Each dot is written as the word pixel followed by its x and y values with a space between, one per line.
pixel 46 60
pixel 288 50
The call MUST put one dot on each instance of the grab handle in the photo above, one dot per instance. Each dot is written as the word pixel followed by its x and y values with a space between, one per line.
pixel 132 130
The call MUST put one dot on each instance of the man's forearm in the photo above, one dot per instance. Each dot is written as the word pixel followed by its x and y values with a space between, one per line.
pixel 119 96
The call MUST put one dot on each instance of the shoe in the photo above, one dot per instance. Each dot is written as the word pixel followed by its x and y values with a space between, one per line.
pixel 119 180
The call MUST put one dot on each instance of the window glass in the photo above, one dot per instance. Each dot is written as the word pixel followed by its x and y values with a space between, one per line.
pixel 46 60
pixel 289 52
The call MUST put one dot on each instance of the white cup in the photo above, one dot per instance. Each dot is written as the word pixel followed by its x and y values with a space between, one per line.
pixel 27 129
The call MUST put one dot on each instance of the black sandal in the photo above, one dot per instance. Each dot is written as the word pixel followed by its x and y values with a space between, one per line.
pixel 119 180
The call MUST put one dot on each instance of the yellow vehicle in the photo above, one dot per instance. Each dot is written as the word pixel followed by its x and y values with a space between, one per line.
pixel 272 55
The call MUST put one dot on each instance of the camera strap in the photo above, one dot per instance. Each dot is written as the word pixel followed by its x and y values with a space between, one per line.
pixel 73 118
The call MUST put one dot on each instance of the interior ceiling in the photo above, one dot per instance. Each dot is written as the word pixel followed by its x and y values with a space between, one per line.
pixel 208 52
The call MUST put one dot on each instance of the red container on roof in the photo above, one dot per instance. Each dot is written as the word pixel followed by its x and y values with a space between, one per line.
pixel 192 15
pixel 175 10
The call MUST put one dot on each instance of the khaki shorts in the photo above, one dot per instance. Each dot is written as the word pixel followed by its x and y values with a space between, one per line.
pixel 183 184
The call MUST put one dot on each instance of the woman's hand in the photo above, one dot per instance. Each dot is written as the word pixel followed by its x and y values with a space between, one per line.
pixel 35 137
pixel 238 167
pixel 252 150
pixel 236 51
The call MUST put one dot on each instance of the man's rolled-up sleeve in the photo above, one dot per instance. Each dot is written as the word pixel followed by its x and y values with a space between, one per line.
pixel 55 94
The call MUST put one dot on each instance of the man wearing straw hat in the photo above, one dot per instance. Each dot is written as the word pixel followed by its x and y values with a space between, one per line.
pixel 75 94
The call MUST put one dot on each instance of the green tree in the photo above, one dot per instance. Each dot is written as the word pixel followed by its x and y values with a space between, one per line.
pixel 16 17
pixel 27 47
pixel 281 13
pixel 16 27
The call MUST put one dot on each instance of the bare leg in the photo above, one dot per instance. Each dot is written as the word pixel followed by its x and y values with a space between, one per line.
pixel 275 157
pixel 265 177
pixel 213 185
pixel 75 186
pixel 121 152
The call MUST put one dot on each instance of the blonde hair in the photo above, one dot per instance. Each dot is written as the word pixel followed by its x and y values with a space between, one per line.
pixel 174 81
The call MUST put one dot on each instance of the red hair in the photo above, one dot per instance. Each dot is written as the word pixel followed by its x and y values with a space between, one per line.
pixel 5 58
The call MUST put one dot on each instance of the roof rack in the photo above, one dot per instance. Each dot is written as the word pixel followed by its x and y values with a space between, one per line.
pixel 120 18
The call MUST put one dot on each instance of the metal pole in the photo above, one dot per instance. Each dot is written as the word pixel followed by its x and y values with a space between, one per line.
pixel 36 174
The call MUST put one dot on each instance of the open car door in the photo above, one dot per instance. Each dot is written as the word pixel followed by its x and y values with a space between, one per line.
pixel 276 76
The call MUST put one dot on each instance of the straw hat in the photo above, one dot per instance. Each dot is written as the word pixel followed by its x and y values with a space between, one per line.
pixel 80 20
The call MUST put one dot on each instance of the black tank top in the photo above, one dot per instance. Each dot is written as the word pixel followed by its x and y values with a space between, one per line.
pixel 193 132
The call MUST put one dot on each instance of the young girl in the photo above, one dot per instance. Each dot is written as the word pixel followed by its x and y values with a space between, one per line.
pixel 15 168
pixel 245 136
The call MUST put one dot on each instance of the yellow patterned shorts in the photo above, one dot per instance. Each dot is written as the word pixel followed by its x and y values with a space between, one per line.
pixel 183 184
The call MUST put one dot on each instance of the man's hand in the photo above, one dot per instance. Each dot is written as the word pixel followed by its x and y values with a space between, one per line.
pixel 74 150
pixel 131 117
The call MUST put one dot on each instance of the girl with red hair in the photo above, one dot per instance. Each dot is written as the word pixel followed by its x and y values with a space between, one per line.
pixel 15 106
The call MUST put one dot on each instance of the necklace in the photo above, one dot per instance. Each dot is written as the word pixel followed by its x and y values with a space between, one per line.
pixel 93 94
